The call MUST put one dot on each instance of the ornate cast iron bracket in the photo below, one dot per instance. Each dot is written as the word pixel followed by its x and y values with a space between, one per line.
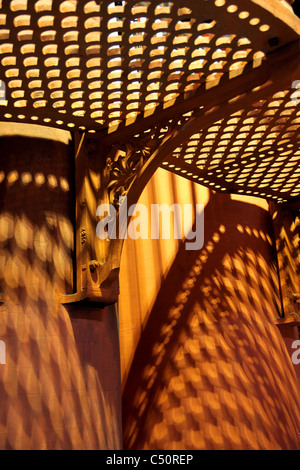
pixel 102 176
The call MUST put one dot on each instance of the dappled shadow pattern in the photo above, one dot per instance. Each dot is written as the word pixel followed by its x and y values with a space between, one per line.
pixel 211 370
pixel 55 391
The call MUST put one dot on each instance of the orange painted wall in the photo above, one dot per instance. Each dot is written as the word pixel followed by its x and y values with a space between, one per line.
pixel 203 364
pixel 290 334
pixel 60 386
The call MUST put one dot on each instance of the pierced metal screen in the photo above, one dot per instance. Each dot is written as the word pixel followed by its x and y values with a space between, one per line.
pixel 101 65
pixel 94 64
pixel 256 148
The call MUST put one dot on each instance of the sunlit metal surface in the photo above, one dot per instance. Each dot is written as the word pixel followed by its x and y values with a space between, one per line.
pixel 94 64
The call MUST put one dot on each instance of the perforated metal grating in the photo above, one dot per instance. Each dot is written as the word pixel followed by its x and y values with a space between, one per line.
pixel 96 65
pixel 254 151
